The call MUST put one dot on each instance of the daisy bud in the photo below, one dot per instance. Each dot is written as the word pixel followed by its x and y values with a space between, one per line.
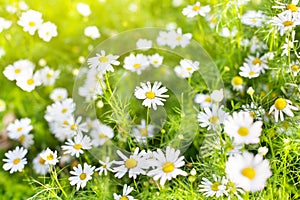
pixel 263 151
pixel 250 91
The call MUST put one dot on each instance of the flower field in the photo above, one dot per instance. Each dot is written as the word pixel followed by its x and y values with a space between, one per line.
pixel 173 99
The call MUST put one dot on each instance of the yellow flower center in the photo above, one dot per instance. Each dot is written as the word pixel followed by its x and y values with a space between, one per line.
pixel 130 163
pixel 256 61
pixel 237 80
pixel 288 23
pixel 137 65
pixel 214 186
pixel 280 103
pixel 251 73
pixel 295 68
pixel 50 157
pixel 82 176
pixel 207 99
pixel 168 167
pixel 143 132
pixel 189 68
pixel 103 59
pixel 17 71
pixel 178 38
pixel 77 146
pixel 73 127
pixel 66 123
pixel 155 62
pixel 150 95
pixel 64 110
pixel 102 135
pixel 19 129
pixel 31 24
pixel 253 20
pixel 49 75
pixel 21 138
pixel 249 172
pixel 124 198
pixel 196 8
pixel 30 81
pixel 243 131
pixel 59 97
pixel 214 119
pixel 252 114
pixel 16 161
pixel 42 161
pixel 104 166
pixel 292 7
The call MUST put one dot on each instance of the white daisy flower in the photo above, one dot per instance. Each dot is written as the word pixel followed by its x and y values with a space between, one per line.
pixel 15 160
pixel 289 44
pixel 92 32
pixel 186 68
pixel 217 95
pixel 77 146
pixel 294 68
pixel 135 164
pixel 248 171
pixel 144 44
pixel 292 6
pixel 91 88
pixel 47 31
pixel 166 166
pixel 227 33
pixel 255 111
pixel 31 21
pixel 281 106
pixel 72 126
pixel 4 24
pixel 204 100
pixel 249 71
pixel 60 110
pixel 81 175
pixel 50 157
pixel 16 6
pixel 163 38
pixel 125 196
pixel 152 95
pixel 48 75
pixel 156 60
pixel 28 83
pixel 192 10
pixel 177 38
pixel 103 63
pixel 136 63
pixel 212 118
pixel 19 127
pixel 237 83
pixel 101 134
pixel 259 62
pixel 83 9
pixel 216 188
pixel 142 132
pixel 59 94
pixel 241 128
pixel 285 22
pixel 26 140
pixel 105 166
pixel 234 149
pixel 262 151
pixel 39 165
pixel 253 18
pixel 19 69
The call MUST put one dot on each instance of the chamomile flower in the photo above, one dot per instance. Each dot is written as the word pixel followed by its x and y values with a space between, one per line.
pixel 59 94
pixel 281 106
pixel 242 129
pixel 103 62
pixel 237 83
pixel 156 60
pixel 203 99
pixel 136 63
pixel 77 146
pixel 28 83
pixel 227 33
pixel 47 31
pixel 166 166
pixel 50 157
pixel 26 140
pixel 81 175
pixel 19 69
pixel 60 110
pixel 92 32
pixel 248 171
pixel 177 38
pixel 212 118
pixel 253 18
pixel 31 21
pixel 262 151
pixel 254 110
pixel 72 126
pixel 249 71
pixel 163 38
pixel 4 24
pixel 294 68
pixel 152 95
pixel 217 187
pixel 142 132
pixel 19 127
pixel 143 44
pixel 135 164
pixel 285 22
pixel 259 62
pixel 125 196
pixel 39 165
pixel 193 10
pixel 101 134
pixel 15 160
pixel 83 9
pixel 105 166
pixel 291 7
pixel 16 6
pixel 217 95
pixel 186 68
pixel 48 75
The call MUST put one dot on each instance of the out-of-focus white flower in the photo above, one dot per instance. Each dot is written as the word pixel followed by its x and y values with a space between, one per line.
pixel 47 31
pixel 16 6
pixel 136 63
pixel 156 60
pixel 253 18
pixel 28 83
pixel 2 105
pixel 144 44
pixel 84 9
pixel 48 75
pixel 19 69
pixel 31 21
pixel 4 24
pixel 263 151
pixel 193 10
pixel 59 94
pixel 92 32
pixel 226 32
pixel 186 68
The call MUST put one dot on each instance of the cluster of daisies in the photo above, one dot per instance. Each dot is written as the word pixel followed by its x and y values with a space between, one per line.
pixel 22 71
